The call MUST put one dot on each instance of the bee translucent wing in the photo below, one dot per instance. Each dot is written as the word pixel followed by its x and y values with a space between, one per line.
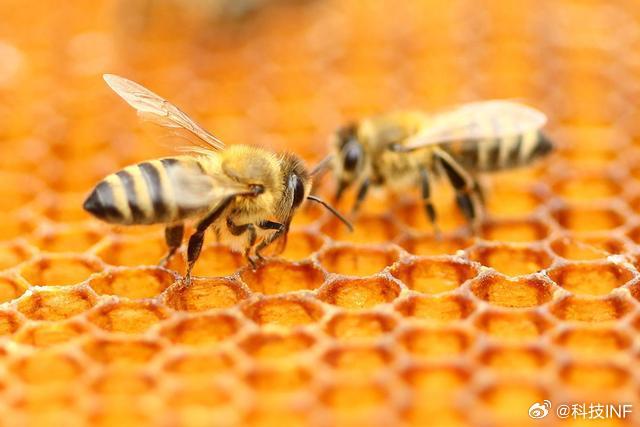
pixel 158 110
pixel 478 121
pixel 194 190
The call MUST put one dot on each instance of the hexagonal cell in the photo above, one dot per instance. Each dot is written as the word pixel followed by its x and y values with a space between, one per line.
pixel 586 187
pixel 588 218
pixel 435 343
pixel 502 291
pixel 278 379
pixel 366 229
pixel 512 199
pixel 278 277
pixel 47 334
pixel 217 260
pixel 515 230
pixel 64 207
pixel 508 401
pixel 126 382
pixel 592 278
pixel 511 260
pixel 429 245
pixel 420 412
pixel 360 360
pixel 513 325
pixel 202 329
pixel 301 244
pixel 437 309
pixel 121 351
pixel 286 311
pixel 11 287
pixel 199 363
pixel 354 395
pixel 597 376
pixel 515 359
pixel 55 303
pixel 10 321
pixel 435 275
pixel 14 252
pixel 360 293
pixel 435 381
pixel 129 317
pixel 595 341
pixel 76 238
pixel 45 367
pixel 274 346
pixel 359 325
pixel 132 251
pixel 144 282
pixel 18 189
pixel 60 270
pixel 205 294
pixel 357 261
pixel 586 248
pixel 591 309
pixel 413 215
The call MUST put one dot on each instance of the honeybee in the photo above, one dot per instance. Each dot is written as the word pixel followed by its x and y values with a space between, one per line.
pixel 246 190
pixel 401 148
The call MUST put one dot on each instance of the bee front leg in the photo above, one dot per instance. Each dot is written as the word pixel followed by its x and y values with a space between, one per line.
pixel 238 230
pixel 197 238
pixel 173 235
pixel 362 193
pixel 269 225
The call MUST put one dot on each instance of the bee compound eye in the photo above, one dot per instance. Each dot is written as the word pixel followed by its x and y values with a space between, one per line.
pixel 296 184
pixel 352 155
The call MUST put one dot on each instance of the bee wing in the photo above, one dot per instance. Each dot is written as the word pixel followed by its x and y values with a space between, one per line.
pixel 195 190
pixel 478 121
pixel 152 107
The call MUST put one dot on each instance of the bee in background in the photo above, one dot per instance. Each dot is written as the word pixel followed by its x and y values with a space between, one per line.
pixel 246 190
pixel 411 148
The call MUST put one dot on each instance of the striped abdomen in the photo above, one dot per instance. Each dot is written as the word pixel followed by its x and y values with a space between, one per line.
pixel 140 194
pixel 502 153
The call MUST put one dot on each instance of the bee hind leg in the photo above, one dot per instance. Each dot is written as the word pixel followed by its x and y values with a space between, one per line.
pixel 197 238
pixel 468 197
pixel 430 210
pixel 173 235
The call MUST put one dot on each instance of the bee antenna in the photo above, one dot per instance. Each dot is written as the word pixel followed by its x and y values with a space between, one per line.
pixel 332 210
pixel 322 166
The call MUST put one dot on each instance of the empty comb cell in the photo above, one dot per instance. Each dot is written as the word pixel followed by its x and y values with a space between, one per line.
pixel 284 311
pixel 587 248
pixel 428 245
pixel 205 294
pixel 511 259
pixel 49 334
pixel 360 325
pixel 13 252
pixel 281 277
pixel 127 317
pixel 501 291
pixel 361 360
pixel 435 343
pixel 437 309
pixel 590 278
pixel 60 270
pixel 433 276
pixel 359 293
pixel 516 231
pixel 56 303
pixel 513 326
pixel 591 309
pixel 202 330
pixel 356 261
pixel 588 219
pixel 132 282
pixel 11 287
pixel 277 346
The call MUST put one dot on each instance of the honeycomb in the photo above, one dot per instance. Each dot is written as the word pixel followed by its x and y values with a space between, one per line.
pixel 383 326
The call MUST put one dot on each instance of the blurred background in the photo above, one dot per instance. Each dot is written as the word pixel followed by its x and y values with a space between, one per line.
pixel 385 326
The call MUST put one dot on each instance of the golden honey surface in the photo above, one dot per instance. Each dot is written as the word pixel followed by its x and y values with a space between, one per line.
pixel 383 326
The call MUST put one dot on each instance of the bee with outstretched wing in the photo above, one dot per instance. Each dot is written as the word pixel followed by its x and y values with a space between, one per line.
pixel 247 191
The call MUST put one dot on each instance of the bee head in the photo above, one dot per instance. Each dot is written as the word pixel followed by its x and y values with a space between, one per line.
pixel 297 181
pixel 350 158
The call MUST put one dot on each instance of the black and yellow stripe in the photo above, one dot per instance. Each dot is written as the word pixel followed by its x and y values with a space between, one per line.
pixel 501 153
pixel 139 194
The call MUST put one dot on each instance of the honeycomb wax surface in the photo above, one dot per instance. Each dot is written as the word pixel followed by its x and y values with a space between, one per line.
pixel 384 326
